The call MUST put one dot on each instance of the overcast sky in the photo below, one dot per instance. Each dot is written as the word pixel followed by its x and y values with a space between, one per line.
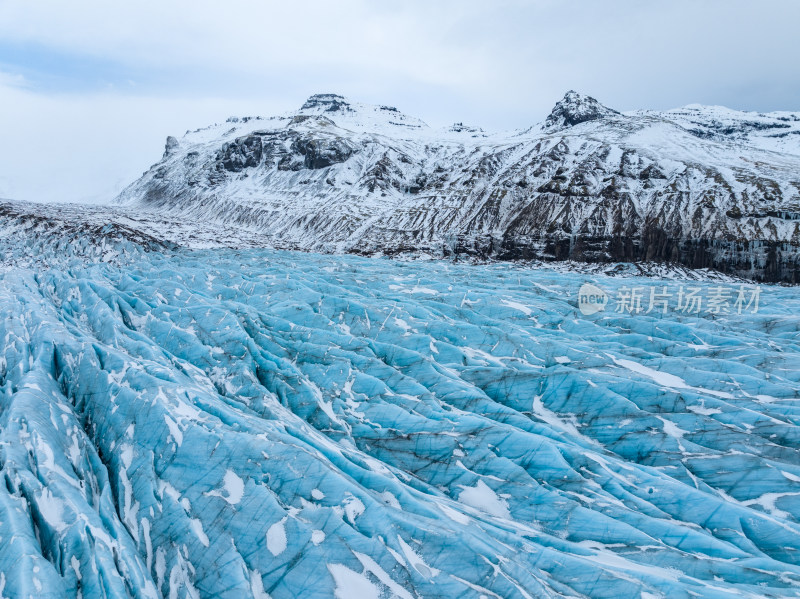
pixel 90 90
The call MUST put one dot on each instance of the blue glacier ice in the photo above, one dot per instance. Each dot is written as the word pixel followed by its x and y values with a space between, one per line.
pixel 256 423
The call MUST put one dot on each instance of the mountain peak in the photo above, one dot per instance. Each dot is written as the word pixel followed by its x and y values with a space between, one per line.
pixel 326 103
pixel 575 108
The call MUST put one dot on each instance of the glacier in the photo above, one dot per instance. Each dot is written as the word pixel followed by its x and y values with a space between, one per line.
pixel 247 422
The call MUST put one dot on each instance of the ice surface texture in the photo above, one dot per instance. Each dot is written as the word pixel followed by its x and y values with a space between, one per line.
pixel 253 423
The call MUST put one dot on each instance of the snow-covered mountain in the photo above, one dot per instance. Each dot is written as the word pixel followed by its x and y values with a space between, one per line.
pixel 698 186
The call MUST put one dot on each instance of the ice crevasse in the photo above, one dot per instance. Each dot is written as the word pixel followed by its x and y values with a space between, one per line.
pixel 255 423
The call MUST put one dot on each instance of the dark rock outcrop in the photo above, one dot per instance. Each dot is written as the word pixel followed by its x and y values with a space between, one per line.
pixel 241 153
pixel 321 153
pixel 327 102
pixel 575 108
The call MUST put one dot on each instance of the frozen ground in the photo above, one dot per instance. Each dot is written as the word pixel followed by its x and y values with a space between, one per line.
pixel 255 423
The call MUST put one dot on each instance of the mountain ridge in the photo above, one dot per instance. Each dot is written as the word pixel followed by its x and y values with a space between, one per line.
pixel 703 187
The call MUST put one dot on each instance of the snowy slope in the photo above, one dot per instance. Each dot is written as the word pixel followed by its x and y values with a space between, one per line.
pixel 701 186
pixel 237 423
pixel 774 131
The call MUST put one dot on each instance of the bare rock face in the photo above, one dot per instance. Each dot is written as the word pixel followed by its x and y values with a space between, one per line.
pixel 170 146
pixel 699 186
pixel 241 153
pixel 322 153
